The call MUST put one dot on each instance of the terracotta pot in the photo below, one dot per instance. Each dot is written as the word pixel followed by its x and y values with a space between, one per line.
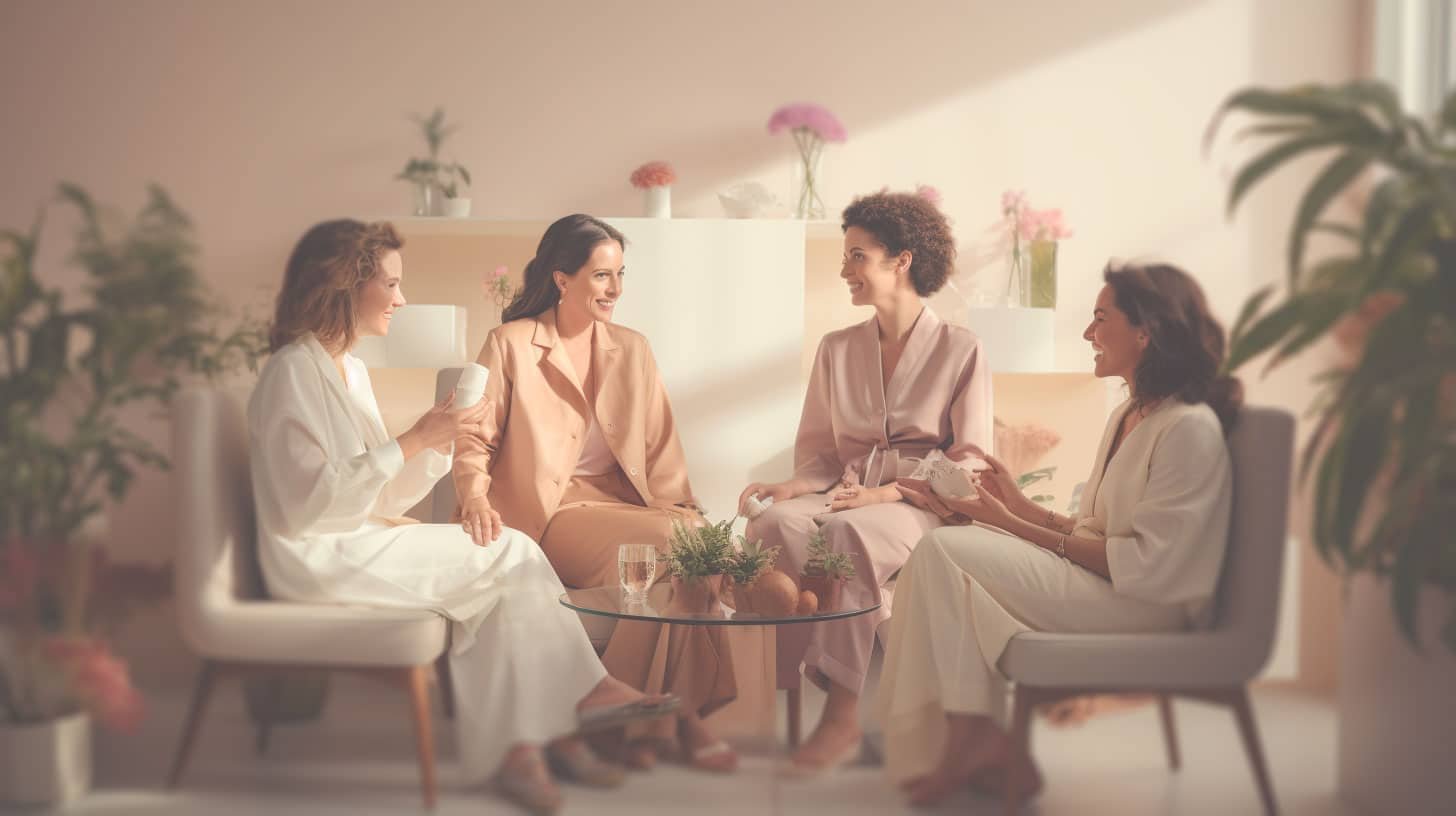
pixel 743 597
pixel 697 595
pixel 827 590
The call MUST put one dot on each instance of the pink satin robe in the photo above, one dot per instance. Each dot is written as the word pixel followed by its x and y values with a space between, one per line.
pixel 939 396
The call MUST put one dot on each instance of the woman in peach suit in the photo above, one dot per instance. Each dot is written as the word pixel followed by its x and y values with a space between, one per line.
pixel 582 454
pixel 886 391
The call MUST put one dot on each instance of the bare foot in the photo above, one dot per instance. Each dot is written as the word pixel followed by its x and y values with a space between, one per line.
pixel 703 749
pixel 956 769
pixel 992 779
pixel 833 742
pixel 611 692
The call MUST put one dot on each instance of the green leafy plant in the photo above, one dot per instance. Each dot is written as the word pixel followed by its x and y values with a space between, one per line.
pixel 826 562
pixel 450 176
pixel 1383 452
pixel 698 552
pixel 72 377
pixel 1031 477
pixel 752 560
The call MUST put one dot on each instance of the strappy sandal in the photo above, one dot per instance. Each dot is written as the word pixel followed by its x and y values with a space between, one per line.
pixel 533 791
pixel 605 718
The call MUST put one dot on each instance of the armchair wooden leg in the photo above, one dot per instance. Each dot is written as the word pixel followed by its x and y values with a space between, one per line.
pixel 1025 701
pixel 200 694
pixel 796 701
pixel 1170 732
pixel 1244 712
pixel 417 680
pixel 446 683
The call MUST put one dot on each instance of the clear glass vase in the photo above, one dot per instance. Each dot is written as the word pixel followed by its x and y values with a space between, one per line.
pixel 1043 278
pixel 1018 276
pixel 424 198
pixel 808 149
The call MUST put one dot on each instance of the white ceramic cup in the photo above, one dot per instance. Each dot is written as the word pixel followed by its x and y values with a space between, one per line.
pixel 471 385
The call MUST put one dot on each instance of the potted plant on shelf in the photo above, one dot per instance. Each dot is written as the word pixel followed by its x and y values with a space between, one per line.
pixel 431 174
pixel 1382 455
pixel 825 574
pixel 697 559
pixel 70 375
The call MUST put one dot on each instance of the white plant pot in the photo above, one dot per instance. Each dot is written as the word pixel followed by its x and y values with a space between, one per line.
pixel 659 201
pixel 457 207
pixel 46 763
pixel 1396 728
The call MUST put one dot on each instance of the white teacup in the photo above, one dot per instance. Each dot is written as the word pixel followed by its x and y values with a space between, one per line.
pixel 471 385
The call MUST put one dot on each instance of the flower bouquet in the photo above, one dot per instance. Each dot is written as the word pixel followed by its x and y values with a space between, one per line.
pixel 1031 237
pixel 655 179
pixel 811 126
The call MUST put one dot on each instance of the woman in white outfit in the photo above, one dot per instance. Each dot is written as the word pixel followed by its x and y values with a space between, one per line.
pixel 1143 553
pixel 331 489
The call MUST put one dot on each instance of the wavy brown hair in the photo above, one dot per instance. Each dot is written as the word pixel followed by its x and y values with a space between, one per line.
pixel 1185 343
pixel 329 265
pixel 905 221
pixel 566 246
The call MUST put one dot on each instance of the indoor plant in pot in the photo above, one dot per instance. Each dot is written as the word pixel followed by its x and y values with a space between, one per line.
pixel 432 175
pixel 825 573
pixel 70 374
pixel 1382 456
pixel 697 559
pixel 752 562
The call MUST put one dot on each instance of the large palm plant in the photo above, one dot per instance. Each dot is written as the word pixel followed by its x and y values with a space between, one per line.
pixel 1383 452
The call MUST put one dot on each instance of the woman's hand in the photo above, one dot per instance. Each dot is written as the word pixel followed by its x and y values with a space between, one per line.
pixel 480 521
pixel 1000 483
pixel 848 497
pixel 918 493
pixel 778 491
pixel 982 507
pixel 441 426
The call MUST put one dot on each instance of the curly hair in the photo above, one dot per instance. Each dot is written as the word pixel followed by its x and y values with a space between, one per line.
pixel 1185 343
pixel 328 267
pixel 905 221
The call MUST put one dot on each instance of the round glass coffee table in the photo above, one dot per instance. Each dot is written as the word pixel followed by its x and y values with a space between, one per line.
pixel 659 607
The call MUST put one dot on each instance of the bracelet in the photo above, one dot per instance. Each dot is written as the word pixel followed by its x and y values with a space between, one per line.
pixel 1062 546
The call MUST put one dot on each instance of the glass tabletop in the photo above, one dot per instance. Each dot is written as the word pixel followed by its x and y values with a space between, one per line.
pixel 661 606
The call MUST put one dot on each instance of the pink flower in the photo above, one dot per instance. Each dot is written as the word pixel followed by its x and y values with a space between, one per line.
pixel 928 193
pixel 653 174
pixel 1013 201
pixel 99 679
pixel 808 116
pixel 500 271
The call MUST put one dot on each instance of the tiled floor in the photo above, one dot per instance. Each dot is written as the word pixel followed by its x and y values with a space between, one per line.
pixel 358 760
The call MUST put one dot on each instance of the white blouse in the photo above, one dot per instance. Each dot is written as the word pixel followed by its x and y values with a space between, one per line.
pixel 1163 504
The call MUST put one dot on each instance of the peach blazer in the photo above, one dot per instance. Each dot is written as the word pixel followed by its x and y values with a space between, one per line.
pixel 530 444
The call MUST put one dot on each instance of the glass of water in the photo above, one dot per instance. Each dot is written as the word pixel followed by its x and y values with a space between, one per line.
pixel 636 567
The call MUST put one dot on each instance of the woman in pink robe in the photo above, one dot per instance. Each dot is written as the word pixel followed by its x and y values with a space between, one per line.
pixel 883 394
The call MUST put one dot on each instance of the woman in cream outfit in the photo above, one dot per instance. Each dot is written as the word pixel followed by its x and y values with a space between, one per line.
pixel 330 486
pixel 581 452
pixel 883 393
pixel 1143 555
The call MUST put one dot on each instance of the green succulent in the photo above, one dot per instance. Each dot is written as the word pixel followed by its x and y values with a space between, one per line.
pixel 826 562
pixel 752 560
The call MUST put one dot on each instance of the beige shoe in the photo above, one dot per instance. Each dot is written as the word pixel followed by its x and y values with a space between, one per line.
pixel 528 784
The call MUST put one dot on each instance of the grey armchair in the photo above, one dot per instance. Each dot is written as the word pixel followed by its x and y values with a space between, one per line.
pixel 1214 664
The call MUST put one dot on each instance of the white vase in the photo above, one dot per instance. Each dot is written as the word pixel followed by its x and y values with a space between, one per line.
pixel 659 201
pixel 47 763
pixel 457 207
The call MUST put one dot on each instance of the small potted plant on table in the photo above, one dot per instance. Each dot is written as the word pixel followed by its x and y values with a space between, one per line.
pixel 825 573
pixel 697 559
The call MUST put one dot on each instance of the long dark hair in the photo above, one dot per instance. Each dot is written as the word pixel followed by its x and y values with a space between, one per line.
pixel 1185 343
pixel 329 265
pixel 566 246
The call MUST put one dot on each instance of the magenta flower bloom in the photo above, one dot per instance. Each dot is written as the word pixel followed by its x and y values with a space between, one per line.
pixel 808 116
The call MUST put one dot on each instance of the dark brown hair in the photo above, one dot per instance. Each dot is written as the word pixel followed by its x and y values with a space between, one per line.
pixel 1185 343
pixel 905 221
pixel 566 246
pixel 329 265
